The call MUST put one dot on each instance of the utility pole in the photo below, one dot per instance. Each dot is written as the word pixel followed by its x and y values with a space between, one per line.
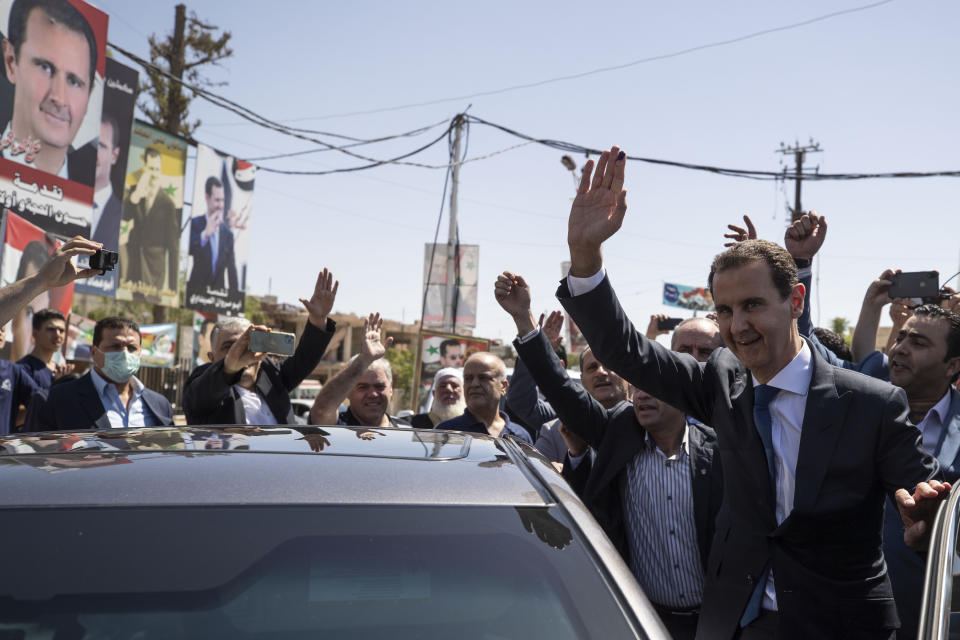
pixel 799 153
pixel 449 306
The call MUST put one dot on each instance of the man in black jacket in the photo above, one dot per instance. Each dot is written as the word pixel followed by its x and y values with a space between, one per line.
pixel 244 387
pixel 654 483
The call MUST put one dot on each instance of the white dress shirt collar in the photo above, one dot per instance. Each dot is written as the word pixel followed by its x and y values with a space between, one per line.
pixel 795 377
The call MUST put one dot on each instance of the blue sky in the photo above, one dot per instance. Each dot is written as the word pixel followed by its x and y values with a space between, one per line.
pixel 876 88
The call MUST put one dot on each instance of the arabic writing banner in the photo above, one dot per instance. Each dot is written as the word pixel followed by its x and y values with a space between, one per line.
pixel 119 100
pixel 435 283
pixel 696 298
pixel 150 224
pixel 79 337
pixel 219 233
pixel 50 111
pixel 26 248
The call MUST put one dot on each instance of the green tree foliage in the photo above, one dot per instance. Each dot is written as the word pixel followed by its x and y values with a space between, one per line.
pixel 182 53
pixel 839 326
pixel 402 362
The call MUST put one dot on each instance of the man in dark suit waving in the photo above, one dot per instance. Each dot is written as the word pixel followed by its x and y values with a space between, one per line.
pixel 808 450
pixel 211 245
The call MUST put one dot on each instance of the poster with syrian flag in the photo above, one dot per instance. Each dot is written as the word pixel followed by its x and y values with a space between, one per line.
pixel 50 111
pixel 26 248
pixel 219 233
pixel 465 270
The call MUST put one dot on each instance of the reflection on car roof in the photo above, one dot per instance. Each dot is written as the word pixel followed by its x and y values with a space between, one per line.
pixel 259 465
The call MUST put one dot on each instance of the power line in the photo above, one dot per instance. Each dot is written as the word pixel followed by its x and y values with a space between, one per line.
pixel 583 74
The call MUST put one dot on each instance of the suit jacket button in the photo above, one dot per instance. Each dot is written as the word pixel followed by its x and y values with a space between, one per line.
pixel 749 578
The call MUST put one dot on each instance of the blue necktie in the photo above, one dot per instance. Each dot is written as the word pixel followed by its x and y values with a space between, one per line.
pixel 762 395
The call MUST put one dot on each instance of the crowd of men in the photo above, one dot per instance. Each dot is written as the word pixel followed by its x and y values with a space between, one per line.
pixel 759 480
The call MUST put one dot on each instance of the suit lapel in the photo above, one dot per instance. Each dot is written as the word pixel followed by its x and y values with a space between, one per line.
pixel 90 401
pixel 950 446
pixel 700 464
pixel 822 419
pixel 627 443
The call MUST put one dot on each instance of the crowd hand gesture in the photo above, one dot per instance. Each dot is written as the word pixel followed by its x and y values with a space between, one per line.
pixel 551 328
pixel 597 211
pixel 878 293
pixel 239 357
pixel 316 441
pixel 576 446
pixel 60 269
pixel 321 303
pixel 653 329
pixel 739 234
pixel 805 236
pixel 372 348
pixel 900 312
pixel 513 294
pixel 919 509
pixel 63 369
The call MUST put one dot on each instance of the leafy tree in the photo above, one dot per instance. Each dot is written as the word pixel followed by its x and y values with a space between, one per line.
pixel 182 53
pixel 839 326
pixel 402 362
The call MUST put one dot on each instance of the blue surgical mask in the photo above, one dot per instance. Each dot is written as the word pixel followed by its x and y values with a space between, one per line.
pixel 120 365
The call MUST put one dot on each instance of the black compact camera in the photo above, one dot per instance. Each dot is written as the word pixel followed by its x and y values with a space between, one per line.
pixel 104 260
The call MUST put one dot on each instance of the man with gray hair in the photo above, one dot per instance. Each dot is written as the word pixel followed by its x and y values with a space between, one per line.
pixel 241 386
pixel 366 383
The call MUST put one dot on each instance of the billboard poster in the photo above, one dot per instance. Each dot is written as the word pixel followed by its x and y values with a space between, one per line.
pixel 219 232
pixel 439 350
pixel 50 112
pixel 119 100
pixel 150 221
pixel 158 347
pixel 26 248
pixel 203 324
pixel 435 284
pixel 695 298
pixel 79 337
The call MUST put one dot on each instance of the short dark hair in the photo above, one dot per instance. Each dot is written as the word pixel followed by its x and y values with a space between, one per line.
pixel 45 315
pixel 561 353
pixel 151 151
pixel 450 342
pixel 113 322
pixel 834 342
pixel 783 270
pixel 61 12
pixel 953 328
pixel 114 127
pixel 212 181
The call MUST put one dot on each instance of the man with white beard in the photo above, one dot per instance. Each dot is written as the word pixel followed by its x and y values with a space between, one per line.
pixel 448 399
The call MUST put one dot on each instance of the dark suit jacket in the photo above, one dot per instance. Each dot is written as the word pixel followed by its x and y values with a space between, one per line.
pixel 204 273
pixel 82 163
pixel 855 447
pixel 76 405
pixel 209 397
pixel 617 437
pixel 108 227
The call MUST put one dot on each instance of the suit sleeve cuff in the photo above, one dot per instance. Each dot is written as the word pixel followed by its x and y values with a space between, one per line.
pixel 580 286
pixel 527 337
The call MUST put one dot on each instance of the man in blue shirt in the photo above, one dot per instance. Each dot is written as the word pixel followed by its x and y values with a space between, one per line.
pixel 109 395
pixel 484 384
pixel 16 387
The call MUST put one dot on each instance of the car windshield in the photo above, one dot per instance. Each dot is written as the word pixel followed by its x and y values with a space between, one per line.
pixel 297 572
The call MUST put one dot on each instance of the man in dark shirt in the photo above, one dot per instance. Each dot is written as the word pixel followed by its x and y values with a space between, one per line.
pixel 16 387
pixel 49 332
pixel 447 399
pixel 484 384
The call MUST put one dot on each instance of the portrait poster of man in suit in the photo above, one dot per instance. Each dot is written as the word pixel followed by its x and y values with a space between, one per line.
pixel 119 100
pixel 219 232
pixel 51 95
pixel 439 351
pixel 150 225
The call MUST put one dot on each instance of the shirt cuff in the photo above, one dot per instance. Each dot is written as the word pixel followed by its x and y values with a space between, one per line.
pixel 528 336
pixel 575 462
pixel 580 286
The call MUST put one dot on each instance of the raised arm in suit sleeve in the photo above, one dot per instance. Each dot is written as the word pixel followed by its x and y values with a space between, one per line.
pixel 205 390
pixel 675 378
pixel 523 399
pixel 307 356
pixel 901 458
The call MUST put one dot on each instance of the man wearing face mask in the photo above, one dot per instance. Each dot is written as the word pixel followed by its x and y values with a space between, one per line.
pixel 109 395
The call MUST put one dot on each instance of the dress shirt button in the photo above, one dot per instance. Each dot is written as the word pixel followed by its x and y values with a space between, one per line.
pixel 749 578
pixel 669 497
pixel 671 532
pixel 703 472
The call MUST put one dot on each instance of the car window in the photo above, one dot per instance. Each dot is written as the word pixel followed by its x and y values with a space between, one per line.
pixel 291 572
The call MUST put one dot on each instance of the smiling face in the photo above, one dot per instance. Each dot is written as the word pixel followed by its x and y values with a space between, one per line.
pixel 51 75
pixel 606 387
pixel 370 397
pixel 484 383
pixel 918 361
pixel 757 324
